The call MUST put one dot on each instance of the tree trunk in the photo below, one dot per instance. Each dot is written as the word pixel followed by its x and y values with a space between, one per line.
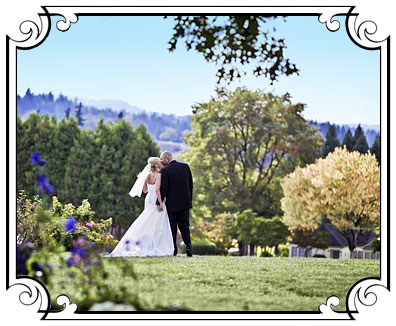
pixel 252 249
pixel 276 250
pixel 243 248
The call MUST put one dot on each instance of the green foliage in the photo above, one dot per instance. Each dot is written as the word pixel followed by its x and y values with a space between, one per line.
pixel 227 40
pixel 79 115
pixel 100 165
pixel 239 140
pixel 218 230
pixel 35 134
pixel 259 230
pixel 202 247
pixel 28 212
pixel 169 134
pixel 376 242
pixel 46 228
pixel 83 277
pixel 360 141
pixel 331 141
pixel 348 141
pixel 376 149
pixel 311 239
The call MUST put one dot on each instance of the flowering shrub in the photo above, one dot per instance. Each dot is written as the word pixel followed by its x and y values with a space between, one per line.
pixel 83 272
pixel 46 236
pixel 28 212
pixel 43 183
pixel 61 224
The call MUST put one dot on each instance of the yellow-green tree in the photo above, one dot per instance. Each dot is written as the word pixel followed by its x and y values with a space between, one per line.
pixel 344 187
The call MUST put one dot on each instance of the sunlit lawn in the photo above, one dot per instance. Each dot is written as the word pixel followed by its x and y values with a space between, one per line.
pixel 239 283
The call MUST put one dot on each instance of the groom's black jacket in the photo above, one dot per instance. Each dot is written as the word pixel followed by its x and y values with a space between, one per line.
pixel 176 186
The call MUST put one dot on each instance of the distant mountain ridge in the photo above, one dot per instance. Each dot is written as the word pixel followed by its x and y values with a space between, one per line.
pixel 166 129
pixel 114 105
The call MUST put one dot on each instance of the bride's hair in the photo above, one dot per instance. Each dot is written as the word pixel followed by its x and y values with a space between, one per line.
pixel 152 161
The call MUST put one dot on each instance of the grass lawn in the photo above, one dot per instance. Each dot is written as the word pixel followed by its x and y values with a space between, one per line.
pixel 237 283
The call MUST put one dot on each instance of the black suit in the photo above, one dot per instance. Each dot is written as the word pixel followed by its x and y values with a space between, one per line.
pixel 177 189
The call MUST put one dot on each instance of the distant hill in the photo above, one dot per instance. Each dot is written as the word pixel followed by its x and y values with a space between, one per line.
pixel 166 129
pixel 114 105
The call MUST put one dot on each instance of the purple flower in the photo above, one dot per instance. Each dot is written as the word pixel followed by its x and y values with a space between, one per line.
pixel 69 261
pixel 24 251
pixel 44 185
pixel 41 162
pixel 78 251
pixel 88 225
pixel 79 243
pixel 70 225
pixel 35 157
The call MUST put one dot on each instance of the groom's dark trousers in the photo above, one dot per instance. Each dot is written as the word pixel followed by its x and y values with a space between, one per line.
pixel 181 219
pixel 177 189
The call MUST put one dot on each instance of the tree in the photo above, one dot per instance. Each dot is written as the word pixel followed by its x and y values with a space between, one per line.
pixel 376 149
pixel 344 187
pixel 219 230
pixel 306 238
pixel 65 135
pixel 22 159
pixel 121 153
pixel 67 113
pixel 169 134
pixel 229 41
pixel 360 141
pixel 79 115
pixel 238 142
pixel 331 141
pixel 36 135
pixel 348 141
pixel 79 172
pixel 260 231
pixel 120 115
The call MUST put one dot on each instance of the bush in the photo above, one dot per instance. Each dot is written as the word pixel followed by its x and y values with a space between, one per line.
pixel 201 247
pixel 319 256
pixel 283 250
pixel 28 213
pixel 46 228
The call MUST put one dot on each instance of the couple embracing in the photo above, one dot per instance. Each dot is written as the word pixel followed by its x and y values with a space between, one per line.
pixel 169 187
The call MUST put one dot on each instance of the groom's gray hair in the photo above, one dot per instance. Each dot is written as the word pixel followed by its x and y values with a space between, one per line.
pixel 167 154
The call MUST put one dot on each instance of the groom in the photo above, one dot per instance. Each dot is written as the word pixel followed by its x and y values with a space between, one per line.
pixel 177 188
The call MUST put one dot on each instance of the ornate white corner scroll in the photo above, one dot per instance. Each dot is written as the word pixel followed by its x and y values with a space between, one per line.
pixel 32 32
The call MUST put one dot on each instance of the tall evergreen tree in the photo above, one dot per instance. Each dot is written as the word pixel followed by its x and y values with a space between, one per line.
pixel 360 141
pixel 67 113
pixel 122 154
pixel 79 115
pixel 376 149
pixel 79 172
pixel 120 115
pixel 38 136
pixel 348 141
pixel 22 160
pixel 331 141
pixel 66 133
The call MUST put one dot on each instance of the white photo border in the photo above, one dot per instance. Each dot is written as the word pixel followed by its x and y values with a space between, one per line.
pixel 33 32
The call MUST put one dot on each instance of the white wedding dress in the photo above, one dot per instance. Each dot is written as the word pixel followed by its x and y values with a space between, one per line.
pixel 149 235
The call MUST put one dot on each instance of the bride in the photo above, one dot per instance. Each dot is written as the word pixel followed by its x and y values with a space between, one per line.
pixel 150 234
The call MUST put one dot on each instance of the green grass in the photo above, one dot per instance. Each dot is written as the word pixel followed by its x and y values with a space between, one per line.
pixel 239 283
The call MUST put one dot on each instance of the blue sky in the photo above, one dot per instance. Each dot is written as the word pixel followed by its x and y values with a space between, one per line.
pixel 126 58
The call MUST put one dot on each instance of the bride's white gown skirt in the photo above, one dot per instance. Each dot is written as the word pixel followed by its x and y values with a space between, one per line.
pixel 149 234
